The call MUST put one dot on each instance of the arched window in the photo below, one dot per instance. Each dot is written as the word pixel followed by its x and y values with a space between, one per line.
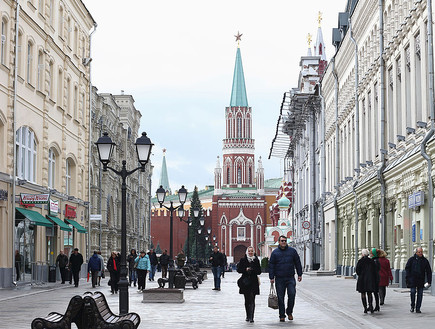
pixel 60 88
pixel 3 42
pixel 20 53
pixel 51 168
pixel 29 62
pixel 228 175
pixel 239 127
pixel 239 175
pixel 248 127
pixel 26 154
pixel 75 101
pixel 250 175
pixel 51 12
pixel 50 79
pixel 39 82
pixel 68 177
pixel 61 21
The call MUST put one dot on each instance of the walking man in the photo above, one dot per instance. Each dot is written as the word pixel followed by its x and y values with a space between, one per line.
pixel 217 264
pixel 164 261
pixel 282 265
pixel 154 261
pixel 18 264
pixel 75 264
pixel 418 272
pixel 62 262
pixel 94 266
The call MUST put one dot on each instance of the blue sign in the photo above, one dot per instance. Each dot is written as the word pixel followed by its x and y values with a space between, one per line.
pixel 419 198
pixel 413 232
pixel 411 201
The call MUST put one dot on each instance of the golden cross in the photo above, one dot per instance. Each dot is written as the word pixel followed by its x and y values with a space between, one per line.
pixel 309 40
pixel 319 18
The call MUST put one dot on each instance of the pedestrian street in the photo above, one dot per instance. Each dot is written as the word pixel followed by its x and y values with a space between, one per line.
pixel 321 302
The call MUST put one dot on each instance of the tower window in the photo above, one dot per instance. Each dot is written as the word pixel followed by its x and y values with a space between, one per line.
pixel 239 175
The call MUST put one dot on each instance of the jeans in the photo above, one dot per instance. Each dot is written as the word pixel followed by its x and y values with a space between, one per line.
pixel 419 292
pixel 283 284
pixel 217 276
pixel 250 305
pixel 76 276
pixel 152 272
pixel 94 277
pixel 164 271
pixel 141 279
pixel 132 276
pixel 63 273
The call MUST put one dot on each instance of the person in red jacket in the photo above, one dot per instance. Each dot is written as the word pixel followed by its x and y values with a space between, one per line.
pixel 384 274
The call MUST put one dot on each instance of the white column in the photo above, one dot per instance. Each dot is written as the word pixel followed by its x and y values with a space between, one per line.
pixel 230 240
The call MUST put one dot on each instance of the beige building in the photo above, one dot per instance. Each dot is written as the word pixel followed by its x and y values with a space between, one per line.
pixel 44 134
pixel 117 115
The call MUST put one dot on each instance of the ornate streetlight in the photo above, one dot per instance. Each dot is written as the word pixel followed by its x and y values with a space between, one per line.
pixel 105 149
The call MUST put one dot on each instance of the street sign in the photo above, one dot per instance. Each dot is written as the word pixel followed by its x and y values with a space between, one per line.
pixel 95 217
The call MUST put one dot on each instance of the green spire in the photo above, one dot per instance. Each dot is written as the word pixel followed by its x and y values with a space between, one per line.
pixel 238 93
pixel 164 180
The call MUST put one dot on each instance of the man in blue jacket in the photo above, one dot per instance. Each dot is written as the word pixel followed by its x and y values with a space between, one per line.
pixel 282 264
pixel 94 266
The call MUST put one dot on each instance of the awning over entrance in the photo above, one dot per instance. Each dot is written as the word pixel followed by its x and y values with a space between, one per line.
pixel 35 217
pixel 60 222
pixel 79 228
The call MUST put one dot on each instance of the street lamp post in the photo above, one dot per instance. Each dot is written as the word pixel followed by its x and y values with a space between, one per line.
pixel 143 149
pixel 182 196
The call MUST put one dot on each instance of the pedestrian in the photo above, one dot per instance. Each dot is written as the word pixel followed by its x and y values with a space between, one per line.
pixel 75 264
pixel 101 272
pixel 217 263
pixel 418 272
pixel 62 262
pixel 154 261
pixel 18 264
pixel 250 268
pixel 142 267
pixel 181 259
pixel 164 261
pixel 366 283
pixel 225 264
pixel 114 270
pixel 132 274
pixel 385 275
pixel 283 262
pixel 374 256
pixel 94 266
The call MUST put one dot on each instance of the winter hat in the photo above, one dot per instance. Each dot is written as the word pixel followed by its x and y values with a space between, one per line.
pixel 374 253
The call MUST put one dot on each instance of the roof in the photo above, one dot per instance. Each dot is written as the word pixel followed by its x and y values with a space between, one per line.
pixel 238 93
pixel 273 183
pixel 164 180
pixel 202 194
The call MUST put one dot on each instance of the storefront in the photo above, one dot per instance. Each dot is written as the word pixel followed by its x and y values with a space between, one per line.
pixel 71 238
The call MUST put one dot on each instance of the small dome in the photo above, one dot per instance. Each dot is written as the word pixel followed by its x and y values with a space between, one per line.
pixel 284 202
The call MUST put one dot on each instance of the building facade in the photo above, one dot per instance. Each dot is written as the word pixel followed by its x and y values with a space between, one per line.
pixel 44 134
pixel 117 115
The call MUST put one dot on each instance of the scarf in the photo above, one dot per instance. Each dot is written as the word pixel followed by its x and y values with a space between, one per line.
pixel 374 253
pixel 114 265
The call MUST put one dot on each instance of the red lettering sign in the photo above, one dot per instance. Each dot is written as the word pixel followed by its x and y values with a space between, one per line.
pixel 70 211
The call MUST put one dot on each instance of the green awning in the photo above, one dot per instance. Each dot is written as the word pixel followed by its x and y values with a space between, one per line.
pixel 79 228
pixel 61 223
pixel 35 217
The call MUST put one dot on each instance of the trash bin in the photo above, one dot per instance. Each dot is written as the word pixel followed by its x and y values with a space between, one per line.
pixel 52 274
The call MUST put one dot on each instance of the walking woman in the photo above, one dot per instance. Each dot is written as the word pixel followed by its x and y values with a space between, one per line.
pixel 143 266
pixel 250 268
pixel 366 283
pixel 374 256
pixel 114 270
pixel 385 275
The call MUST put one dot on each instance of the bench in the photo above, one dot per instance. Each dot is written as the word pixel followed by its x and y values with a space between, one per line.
pixel 190 272
pixel 60 321
pixel 97 314
pixel 190 278
pixel 195 268
pixel 180 280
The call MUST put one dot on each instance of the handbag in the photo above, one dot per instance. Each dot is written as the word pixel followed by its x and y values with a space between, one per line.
pixel 243 282
pixel 272 301
pixel 102 274
pixel 109 283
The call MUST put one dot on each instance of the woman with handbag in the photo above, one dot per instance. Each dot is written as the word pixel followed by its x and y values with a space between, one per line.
pixel 114 269
pixel 249 267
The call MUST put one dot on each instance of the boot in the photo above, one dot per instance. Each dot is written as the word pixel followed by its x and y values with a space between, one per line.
pixel 247 313
pixel 251 319
pixel 364 302
pixel 377 308
pixel 371 303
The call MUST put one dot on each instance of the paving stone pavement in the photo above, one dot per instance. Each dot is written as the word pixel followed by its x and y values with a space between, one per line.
pixel 321 302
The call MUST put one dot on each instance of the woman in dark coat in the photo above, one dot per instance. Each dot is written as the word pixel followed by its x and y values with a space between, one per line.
pixel 366 283
pixel 385 275
pixel 114 269
pixel 248 283
pixel 374 255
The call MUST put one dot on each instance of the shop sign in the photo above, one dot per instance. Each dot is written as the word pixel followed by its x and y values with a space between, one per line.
pixel 416 199
pixel 3 195
pixel 34 198
pixel 54 207
pixel 70 211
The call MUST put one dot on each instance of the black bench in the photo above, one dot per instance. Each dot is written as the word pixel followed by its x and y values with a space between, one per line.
pixel 60 321
pixel 180 280
pixel 195 268
pixel 97 314
pixel 190 272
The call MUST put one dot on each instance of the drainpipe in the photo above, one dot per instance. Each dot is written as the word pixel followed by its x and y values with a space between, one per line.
pixel 357 150
pixel 312 187
pixel 382 103
pixel 322 179
pixel 337 162
pixel 90 145
pixel 14 129
pixel 432 128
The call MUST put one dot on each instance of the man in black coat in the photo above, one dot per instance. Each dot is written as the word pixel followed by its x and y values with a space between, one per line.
pixel 283 262
pixel 418 272
pixel 62 261
pixel 154 261
pixel 75 264
pixel 164 261
pixel 217 263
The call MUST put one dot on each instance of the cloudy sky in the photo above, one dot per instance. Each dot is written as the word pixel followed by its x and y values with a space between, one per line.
pixel 177 59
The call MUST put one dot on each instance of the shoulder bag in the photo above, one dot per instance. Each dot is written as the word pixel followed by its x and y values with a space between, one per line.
pixel 272 301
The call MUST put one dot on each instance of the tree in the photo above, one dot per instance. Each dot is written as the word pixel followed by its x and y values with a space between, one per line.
pixel 158 249
pixel 197 242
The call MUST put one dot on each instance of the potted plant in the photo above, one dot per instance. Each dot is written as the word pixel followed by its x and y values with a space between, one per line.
pixel 265 264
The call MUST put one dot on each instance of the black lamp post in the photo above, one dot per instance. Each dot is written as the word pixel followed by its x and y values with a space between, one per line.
pixel 182 196
pixel 143 149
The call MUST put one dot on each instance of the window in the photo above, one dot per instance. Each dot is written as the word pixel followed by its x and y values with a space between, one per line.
pixel 51 168
pixel 60 88
pixel 241 231
pixel 228 175
pixel 61 21
pixel 29 62
pixel 20 53
pixel 250 175
pixel 26 154
pixel 68 96
pixel 239 127
pixel 239 175
pixel 75 102
pixel 39 82
pixel 50 79
pixel 3 43
pixel 68 177
pixel 51 12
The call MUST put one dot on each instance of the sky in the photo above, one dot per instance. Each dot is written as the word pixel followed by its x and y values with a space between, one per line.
pixel 176 58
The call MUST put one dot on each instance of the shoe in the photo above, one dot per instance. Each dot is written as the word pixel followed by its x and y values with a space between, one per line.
pixel 365 310
pixel 412 310
pixel 251 321
pixel 381 303
pixel 215 289
pixel 247 319
pixel 93 286
pixel 62 282
pixel 290 317
pixel 76 285
pixel 377 309
pixel 281 319
pixel 218 289
pixel 417 311
pixel 112 292
pixel 135 284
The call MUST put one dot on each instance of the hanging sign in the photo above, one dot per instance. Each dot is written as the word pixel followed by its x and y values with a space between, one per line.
pixel 70 211
pixel 54 207
pixel 34 198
